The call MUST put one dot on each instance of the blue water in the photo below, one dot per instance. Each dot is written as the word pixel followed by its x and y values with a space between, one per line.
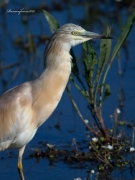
pixel 64 113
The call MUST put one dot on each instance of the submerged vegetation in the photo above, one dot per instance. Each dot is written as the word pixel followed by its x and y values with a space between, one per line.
pixel 99 158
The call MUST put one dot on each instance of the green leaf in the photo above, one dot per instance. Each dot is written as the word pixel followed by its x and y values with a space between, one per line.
pixel 89 62
pixel 85 46
pixel 84 93
pixel 54 25
pixel 102 139
pixel 126 30
pixel 88 47
pixel 105 49
pixel 51 156
pixel 107 91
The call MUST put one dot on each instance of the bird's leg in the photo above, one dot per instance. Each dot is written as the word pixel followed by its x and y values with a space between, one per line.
pixel 19 165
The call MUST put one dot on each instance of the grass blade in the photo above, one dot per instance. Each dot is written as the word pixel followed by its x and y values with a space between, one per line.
pixel 126 30
pixel 53 24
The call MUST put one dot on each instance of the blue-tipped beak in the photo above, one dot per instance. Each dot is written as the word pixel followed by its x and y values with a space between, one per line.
pixel 95 35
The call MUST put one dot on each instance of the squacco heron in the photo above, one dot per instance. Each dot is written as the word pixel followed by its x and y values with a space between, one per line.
pixel 26 107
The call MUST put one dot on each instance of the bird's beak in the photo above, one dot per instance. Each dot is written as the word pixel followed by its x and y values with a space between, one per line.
pixel 92 35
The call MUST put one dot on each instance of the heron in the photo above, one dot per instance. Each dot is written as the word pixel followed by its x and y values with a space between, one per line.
pixel 24 108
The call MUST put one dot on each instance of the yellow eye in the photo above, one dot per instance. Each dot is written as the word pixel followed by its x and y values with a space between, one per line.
pixel 75 33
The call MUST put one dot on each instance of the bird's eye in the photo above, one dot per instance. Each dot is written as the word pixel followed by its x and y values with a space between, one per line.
pixel 75 33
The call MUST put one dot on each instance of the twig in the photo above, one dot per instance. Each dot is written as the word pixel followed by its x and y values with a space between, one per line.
pixel 79 113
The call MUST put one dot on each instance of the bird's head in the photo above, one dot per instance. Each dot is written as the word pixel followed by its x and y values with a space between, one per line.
pixel 73 34
pixel 67 36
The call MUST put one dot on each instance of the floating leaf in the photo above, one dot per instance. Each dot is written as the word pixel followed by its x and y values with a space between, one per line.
pixel 51 156
pixel 102 138
pixel 121 123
